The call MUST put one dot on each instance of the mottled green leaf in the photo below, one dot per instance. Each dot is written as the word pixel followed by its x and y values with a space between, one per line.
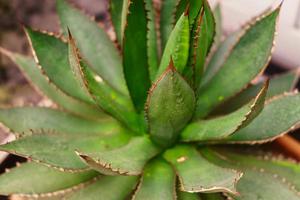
pixel 177 47
pixel 58 149
pixel 259 185
pixel 152 44
pixel 158 182
pixel 32 71
pixel 281 168
pixel 94 44
pixel 219 57
pixel 169 107
pixel 255 183
pixel 247 59
pixel 106 188
pixel 196 174
pixel 279 116
pixel 278 85
pixel 167 20
pixel 52 55
pixel 110 100
pixel 126 160
pixel 224 126
pixel 33 178
pixel 24 119
pixel 135 58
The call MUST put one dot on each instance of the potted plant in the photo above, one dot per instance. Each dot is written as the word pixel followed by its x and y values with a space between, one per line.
pixel 150 114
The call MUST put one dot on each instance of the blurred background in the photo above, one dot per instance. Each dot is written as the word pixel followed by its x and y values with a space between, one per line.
pixel 40 14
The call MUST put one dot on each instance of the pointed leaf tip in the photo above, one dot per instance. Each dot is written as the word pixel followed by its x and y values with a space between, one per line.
pixel 187 10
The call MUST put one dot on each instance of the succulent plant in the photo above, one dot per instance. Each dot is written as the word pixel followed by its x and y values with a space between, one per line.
pixel 163 109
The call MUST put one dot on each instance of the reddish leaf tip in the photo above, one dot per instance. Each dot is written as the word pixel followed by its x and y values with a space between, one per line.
pixel 187 10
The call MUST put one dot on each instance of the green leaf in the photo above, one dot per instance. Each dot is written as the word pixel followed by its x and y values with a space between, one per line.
pixel 283 169
pixel 116 104
pixel 203 33
pixel 255 183
pixel 158 182
pixel 167 19
pixel 33 178
pixel 24 119
pixel 279 116
pixel 177 46
pixel 94 44
pixel 34 74
pixel 247 59
pixel 106 188
pixel 224 126
pixel 194 9
pixel 126 160
pixel 213 196
pixel 188 196
pixel 75 63
pixel 135 58
pixel 196 174
pixel 115 10
pixel 152 44
pixel 52 55
pixel 219 57
pixel 170 106
pixel 278 85
pixel 218 21
pixel 58 149
pixel 258 185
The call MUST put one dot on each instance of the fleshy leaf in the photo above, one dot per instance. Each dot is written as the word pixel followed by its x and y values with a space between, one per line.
pixel 203 33
pixel 253 183
pixel 218 21
pixel 279 116
pixel 33 178
pixel 219 57
pixel 278 85
pixel 152 44
pixel 94 44
pixel 158 182
pixel 135 58
pixel 224 126
pixel 32 72
pixel 116 10
pixel 177 47
pixel 126 160
pixel 25 119
pixel 58 149
pixel 106 188
pixel 52 55
pixel 248 58
pixel 110 100
pixel 170 106
pixel 196 174
pixel 282 168
pixel 194 9
pixel 75 64
pixel 167 19
pixel 188 196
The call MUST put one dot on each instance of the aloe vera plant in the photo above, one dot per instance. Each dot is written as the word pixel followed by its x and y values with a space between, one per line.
pixel 164 111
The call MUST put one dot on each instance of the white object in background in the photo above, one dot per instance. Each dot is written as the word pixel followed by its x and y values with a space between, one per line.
pixel 287 51
pixel 3 155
